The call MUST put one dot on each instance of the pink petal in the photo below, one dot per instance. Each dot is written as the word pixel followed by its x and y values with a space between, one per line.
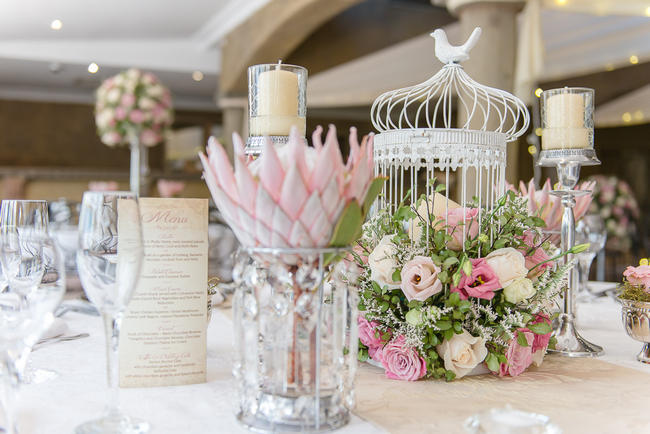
pixel 299 237
pixel 264 206
pixel 320 228
pixel 294 194
pixel 271 172
pixel 223 170
pixel 330 196
pixel 282 225
pixel 263 234
pixel 355 152
pixel 246 186
pixel 297 153
pixel 312 210
pixel 238 146
pixel 316 138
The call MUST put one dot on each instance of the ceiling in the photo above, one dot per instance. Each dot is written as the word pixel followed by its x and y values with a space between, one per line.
pixel 172 39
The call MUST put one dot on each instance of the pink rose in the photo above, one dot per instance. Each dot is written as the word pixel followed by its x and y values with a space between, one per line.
pixel 136 116
pixel 402 362
pixel 103 186
pixel 540 342
pixel 167 188
pixel 481 284
pixel 459 220
pixel 420 278
pixel 534 257
pixel 149 137
pixel 638 276
pixel 120 113
pixel 159 113
pixel 128 100
pixel 111 138
pixel 370 336
pixel 519 358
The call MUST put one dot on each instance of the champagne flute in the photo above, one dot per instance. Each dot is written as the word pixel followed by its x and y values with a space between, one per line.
pixel 109 259
pixel 35 273
pixel 590 229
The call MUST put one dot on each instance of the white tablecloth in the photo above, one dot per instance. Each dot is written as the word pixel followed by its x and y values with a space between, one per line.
pixel 78 393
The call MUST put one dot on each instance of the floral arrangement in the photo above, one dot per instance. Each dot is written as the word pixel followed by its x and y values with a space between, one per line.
pixel 549 207
pixel 615 202
pixel 636 282
pixel 133 104
pixel 294 195
pixel 445 289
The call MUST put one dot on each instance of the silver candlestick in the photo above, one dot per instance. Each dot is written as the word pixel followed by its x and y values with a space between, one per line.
pixel 567 143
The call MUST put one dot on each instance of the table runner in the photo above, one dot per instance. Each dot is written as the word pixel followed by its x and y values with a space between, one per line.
pixel 579 395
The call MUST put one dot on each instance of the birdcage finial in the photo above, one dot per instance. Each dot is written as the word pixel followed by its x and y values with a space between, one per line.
pixel 448 53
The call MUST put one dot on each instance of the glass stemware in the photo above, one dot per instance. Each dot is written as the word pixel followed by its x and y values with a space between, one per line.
pixel 109 261
pixel 35 273
pixel 590 229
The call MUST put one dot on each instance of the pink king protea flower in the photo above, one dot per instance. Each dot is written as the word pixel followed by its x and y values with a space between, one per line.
pixel 292 195
pixel 548 207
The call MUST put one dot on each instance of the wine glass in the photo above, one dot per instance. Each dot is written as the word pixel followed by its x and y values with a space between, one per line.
pixel 35 272
pixel 109 259
pixel 23 215
pixel 590 229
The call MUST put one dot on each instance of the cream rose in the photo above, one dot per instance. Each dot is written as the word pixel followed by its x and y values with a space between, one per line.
pixel 438 211
pixel 508 264
pixel 519 290
pixel 420 279
pixel 462 353
pixel 382 263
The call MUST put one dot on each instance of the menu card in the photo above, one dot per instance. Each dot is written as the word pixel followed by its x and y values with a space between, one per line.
pixel 163 334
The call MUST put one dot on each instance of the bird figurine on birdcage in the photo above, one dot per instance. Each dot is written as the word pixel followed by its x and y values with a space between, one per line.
pixel 417 140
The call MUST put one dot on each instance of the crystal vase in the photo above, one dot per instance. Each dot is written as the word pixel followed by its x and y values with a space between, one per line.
pixel 295 338
pixel 139 172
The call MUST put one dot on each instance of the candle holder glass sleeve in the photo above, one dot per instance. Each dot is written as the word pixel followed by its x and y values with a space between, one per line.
pixel 567 145
pixel 276 102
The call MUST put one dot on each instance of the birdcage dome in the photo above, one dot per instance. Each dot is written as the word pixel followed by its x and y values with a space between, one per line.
pixel 451 95
pixel 450 128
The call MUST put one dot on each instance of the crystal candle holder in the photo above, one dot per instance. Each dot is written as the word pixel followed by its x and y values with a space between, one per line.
pixel 276 101
pixel 295 339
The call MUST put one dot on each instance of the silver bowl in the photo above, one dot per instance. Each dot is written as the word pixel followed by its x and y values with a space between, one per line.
pixel 636 320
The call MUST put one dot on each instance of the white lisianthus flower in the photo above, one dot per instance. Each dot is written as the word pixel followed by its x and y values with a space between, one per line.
pixel 113 95
pixel 155 91
pixel 508 264
pixel 462 353
pixel 104 117
pixel 382 263
pixel 519 290
pixel 146 103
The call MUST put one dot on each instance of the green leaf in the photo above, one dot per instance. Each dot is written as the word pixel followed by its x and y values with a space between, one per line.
pixel 440 187
pixel 448 334
pixel 433 340
pixel 375 286
pixel 373 191
pixel 414 304
pixel 541 328
pixel 467 267
pixel 414 317
pixel 449 262
pixel 363 355
pixel 458 328
pixel 552 342
pixel 456 277
pixel 521 339
pixel 397 276
pixel 443 276
pixel 348 228
pixel 444 325
pixel 500 243
pixel 579 248
pixel 454 299
pixel 492 362
pixel 383 306
pixel 449 375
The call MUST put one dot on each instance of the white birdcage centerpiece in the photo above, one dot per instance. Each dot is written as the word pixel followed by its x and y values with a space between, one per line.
pixel 417 140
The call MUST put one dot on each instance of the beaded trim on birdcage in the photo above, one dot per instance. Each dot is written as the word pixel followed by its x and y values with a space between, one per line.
pixel 440 148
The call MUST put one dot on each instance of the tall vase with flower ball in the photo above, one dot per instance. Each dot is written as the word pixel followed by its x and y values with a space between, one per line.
pixel 134 108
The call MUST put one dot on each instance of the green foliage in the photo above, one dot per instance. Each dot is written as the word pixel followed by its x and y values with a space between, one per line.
pixel 634 293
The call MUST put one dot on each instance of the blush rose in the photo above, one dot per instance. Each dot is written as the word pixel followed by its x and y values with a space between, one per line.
pixel 402 362
pixel 420 279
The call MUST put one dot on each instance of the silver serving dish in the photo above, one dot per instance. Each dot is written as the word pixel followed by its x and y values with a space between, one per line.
pixel 636 320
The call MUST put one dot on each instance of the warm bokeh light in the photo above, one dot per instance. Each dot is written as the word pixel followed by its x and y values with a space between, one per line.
pixel 634 60
pixel 609 67
pixel 538 132
pixel 560 2
pixel 538 92
pixel 638 115
pixel 56 25
pixel 532 150
pixel 647 11
pixel 93 68
pixel 627 117
pixel 197 76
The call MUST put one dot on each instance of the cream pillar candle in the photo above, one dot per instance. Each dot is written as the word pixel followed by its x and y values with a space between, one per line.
pixel 564 122
pixel 277 104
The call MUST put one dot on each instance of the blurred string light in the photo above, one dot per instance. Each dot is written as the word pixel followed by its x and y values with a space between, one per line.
pixel 538 132
pixel 56 25
pixel 627 117
pixel 93 68
pixel 538 92
pixel 561 2
pixel 197 76
pixel 634 59
pixel 532 150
